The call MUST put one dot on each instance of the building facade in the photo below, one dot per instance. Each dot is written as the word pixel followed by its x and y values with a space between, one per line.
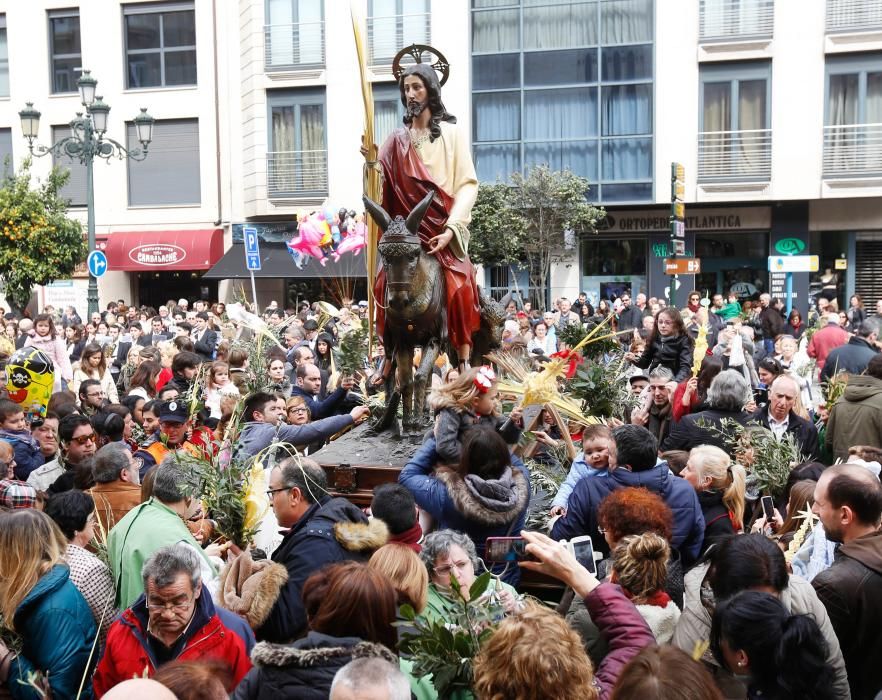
pixel 772 107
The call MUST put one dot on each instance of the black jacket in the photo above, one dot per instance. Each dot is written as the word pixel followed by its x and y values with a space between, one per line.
pixel 118 359
pixel 333 403
pixel 331 530
pixel 206 344
pixel 717 523
pixel 771 322
pixel 803 430
pixel 852 357
pixel 304 669
pixel 675 353
pixel 851 590
pixel 629 318
pixel 687 433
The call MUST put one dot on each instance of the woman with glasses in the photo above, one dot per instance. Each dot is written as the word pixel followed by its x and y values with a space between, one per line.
pixel 40 603
pixel 74 513
pixel 448 555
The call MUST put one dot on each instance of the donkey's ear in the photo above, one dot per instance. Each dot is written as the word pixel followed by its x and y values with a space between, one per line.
pixel 377 212
pixel 419 211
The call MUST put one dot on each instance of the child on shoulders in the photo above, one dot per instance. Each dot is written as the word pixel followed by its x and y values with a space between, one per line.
pixel 592 461
pixel 468 401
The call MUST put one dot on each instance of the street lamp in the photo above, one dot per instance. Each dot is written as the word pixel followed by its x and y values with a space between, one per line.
pixel 86 142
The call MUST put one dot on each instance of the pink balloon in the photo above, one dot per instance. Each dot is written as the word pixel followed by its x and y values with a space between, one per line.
pixel 308 242
pixel 353 243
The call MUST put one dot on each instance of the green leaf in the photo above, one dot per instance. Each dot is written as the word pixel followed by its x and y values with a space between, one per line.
pixel 407 612
pixel 479 586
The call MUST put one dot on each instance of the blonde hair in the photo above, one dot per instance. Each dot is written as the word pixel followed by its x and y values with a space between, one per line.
pixel 167 352
pixel 406 571
pixel 457 394
pixel 640 563
pixel 30 545
pixel 712 463
pixel 534 654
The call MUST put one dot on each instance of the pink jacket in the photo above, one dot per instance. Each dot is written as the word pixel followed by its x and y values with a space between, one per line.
pixel 55 350
pixel 625 630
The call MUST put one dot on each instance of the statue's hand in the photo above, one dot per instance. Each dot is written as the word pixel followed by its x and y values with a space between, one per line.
pixel 440 242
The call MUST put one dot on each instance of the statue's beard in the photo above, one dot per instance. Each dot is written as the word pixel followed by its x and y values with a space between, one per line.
pixel 414 108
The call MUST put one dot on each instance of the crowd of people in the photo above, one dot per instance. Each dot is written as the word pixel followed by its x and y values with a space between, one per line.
pixel 114 582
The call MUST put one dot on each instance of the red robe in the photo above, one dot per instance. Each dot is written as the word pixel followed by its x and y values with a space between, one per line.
pixel 405 182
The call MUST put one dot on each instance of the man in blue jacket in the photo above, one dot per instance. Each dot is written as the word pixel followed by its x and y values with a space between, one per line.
pixel 636 451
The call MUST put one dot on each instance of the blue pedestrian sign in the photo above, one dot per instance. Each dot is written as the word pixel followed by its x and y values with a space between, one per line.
pixel 252 261
pixel 97 263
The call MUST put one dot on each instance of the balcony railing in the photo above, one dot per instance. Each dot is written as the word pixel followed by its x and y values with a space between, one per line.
pixel 735 156
pixel 388 34
pixel 296 173
pixel 294 46
pixel 853 15
pixel 853 150
pixel 736 20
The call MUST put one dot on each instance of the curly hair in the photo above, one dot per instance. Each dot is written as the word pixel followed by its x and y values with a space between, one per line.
pixel 633 511
pixel 534 644
pixel 640 563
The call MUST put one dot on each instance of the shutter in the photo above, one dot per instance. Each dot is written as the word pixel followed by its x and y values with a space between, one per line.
pixel 6 152
pixel 868 272
pixel 170 172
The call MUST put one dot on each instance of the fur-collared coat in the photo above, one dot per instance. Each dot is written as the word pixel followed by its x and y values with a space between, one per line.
pixel 479 508
pixel 304 669
pixel 331 530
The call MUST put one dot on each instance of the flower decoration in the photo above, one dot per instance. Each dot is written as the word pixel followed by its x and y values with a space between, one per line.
pixel 484 379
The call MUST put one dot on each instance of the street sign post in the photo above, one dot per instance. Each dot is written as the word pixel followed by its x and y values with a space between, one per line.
pixel 682 266
pixel 97 263
pixel 678 226
pixel 790 264
pixel 252 259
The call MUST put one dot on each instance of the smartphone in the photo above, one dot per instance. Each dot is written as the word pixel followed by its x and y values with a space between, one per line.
pixel 768 508
pixel 505 549
pixel 583 550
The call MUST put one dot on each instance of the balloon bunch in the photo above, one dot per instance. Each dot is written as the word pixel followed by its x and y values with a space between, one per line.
pixel 325 233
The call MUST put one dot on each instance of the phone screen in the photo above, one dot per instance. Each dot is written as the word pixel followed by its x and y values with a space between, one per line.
pixel 768 507
pixel 500 549
pixel 584 553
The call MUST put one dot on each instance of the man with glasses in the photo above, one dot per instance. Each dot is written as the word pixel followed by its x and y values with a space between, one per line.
pixel 92 397
pixel 172 619
pixel 78 442
pixel 630 318
pixel 320 530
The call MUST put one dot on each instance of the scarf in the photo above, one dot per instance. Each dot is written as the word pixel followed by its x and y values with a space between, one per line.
pixel 409 538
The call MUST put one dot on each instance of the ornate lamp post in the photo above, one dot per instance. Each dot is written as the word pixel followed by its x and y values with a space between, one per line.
pixel 87 142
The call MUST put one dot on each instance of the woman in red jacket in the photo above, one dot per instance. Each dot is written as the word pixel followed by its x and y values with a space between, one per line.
pixel 691 393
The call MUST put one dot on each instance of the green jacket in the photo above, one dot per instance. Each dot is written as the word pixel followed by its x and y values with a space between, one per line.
pixel 856 418
pixel 730 310
pixel 133 539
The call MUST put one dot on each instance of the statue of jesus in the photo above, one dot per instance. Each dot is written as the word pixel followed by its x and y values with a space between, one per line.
pixel 431 153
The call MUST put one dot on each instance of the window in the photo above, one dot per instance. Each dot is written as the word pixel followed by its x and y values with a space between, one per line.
pixel 393 24
pixel 170 173
pixel 160 45
pixel 853 116
pixel 75 189
pixel 4 59
pixel 297 161
pixel 6 152
pixel 295 33
pixel 388 111
pixel 735 135
pixel 568 84
pixel 64 44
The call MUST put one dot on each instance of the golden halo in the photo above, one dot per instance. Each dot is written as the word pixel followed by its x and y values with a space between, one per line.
pixel 416 51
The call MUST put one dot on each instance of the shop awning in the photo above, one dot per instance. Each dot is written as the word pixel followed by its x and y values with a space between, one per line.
pixel 276 261
pixel 146 251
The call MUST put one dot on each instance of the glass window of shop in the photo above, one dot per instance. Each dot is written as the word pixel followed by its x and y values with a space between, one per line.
pixel 737 261
pixel 829 281
pixel 612 266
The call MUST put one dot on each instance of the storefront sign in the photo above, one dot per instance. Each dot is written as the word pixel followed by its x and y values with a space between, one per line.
pixel 157 254
pixel 793 263
pixel 841 264
pixel 789 246
pixel 682 266
pixel 743 219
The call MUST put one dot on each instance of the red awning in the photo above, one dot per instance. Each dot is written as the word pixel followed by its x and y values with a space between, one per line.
pixel 143 251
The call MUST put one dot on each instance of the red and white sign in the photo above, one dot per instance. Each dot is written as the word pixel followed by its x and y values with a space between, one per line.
pixel 157 254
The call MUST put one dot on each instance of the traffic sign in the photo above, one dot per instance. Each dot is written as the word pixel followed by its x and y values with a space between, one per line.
pixel 682 266
pixel 678 210
pixel 97 263
pixel 678 229
pixel 793 263
pixel 252 261
pixel 678 246
pixel 252 244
